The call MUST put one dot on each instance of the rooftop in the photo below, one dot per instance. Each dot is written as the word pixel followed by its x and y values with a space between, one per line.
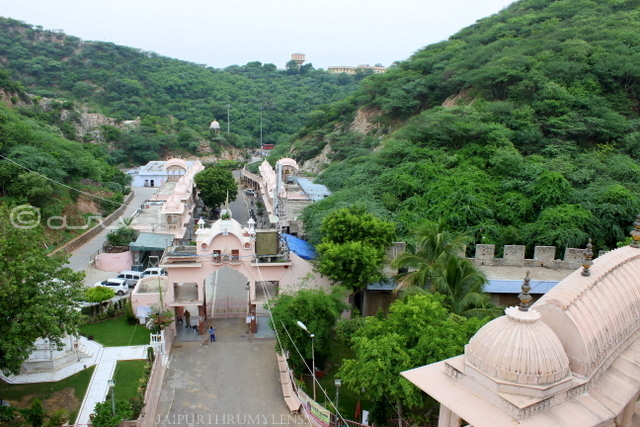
pixel 313 191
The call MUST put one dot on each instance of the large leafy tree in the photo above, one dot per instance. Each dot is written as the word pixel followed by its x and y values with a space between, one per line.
pixel 354 264
pixel 215 185
pixel 353 246
pixel 37 294
pixel 318 310
pixel 355 224
pixel 417 331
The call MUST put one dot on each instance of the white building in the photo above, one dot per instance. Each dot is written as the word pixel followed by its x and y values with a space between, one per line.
pixel 156 173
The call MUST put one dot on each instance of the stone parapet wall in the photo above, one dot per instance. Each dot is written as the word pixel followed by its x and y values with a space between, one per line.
pixel 514 256
pixel 76 242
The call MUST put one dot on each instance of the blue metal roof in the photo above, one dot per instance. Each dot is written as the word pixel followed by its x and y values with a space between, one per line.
pixel 302 248
pixel 313 191
pixel 515 286
pixel 386 284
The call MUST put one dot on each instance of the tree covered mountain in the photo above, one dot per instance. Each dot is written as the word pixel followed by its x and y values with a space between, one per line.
pixel 520 129
pixel 56 176
pixel 175 100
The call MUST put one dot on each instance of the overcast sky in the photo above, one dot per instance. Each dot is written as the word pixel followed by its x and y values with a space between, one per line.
pixel 223 33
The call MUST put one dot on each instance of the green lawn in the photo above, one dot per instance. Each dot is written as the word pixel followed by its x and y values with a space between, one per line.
pixel 117 332
pixel 48 392
pixel 127 376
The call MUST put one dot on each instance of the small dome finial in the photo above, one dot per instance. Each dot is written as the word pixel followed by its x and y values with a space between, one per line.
pixel 525 298
pixel 587 263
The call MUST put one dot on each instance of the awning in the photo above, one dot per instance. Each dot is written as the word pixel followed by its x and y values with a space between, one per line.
pixel 152 242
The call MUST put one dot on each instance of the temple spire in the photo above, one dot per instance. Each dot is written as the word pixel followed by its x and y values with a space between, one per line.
pixel 635 233
pixel 525 298
pixel 587 263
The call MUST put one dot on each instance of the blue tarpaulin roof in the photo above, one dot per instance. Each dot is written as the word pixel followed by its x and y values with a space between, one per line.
pixel 300 247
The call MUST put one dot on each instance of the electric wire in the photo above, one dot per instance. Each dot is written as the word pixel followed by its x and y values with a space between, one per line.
pixel 59 183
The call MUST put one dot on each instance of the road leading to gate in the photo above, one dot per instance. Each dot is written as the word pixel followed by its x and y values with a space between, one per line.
pixel 228 382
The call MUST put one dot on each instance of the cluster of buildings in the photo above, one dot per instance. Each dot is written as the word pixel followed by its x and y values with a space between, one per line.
pixel 376 69
pixel 193 251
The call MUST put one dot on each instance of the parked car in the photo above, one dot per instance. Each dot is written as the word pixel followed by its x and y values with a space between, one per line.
pixel 130 276
pixel 118 285
pixel 250 192
pixel 153 271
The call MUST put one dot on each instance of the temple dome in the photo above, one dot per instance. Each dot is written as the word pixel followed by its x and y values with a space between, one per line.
pixel 176 162
pixel 519 348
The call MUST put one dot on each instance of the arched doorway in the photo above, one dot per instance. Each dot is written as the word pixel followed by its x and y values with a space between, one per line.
pixel 227 294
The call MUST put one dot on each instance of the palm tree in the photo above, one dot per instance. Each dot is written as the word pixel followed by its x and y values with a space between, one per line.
pixel 434 245
pixel 436 266
pixel 462 283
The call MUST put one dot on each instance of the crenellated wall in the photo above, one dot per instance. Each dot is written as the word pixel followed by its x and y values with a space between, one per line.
pixel 514 256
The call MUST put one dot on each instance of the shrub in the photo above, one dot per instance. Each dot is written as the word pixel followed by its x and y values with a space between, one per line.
pixel 346 328
pixel 129 314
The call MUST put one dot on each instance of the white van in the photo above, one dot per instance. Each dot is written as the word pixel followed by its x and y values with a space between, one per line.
pixel 131 277
pixel 154 271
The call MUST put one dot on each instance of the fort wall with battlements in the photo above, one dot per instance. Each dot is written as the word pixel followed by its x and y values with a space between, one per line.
pixel 514 256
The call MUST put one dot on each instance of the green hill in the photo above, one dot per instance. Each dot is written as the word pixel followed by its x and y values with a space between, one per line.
pixel 56 176
pixel 175 100
pixel 520 129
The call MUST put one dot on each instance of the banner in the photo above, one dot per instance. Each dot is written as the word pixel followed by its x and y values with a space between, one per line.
pixel 318 415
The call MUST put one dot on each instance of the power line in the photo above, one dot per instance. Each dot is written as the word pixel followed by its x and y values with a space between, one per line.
pixel 59 183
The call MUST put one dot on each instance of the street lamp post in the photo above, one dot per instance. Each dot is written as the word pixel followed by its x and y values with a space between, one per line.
pixel 112 387
pixel 338 383
pixel 313 357
pixel 261 109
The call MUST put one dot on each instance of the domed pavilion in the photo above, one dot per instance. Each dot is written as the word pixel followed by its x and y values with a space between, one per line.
pixel 572 359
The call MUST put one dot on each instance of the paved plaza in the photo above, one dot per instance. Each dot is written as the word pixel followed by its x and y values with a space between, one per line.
pixel 231 381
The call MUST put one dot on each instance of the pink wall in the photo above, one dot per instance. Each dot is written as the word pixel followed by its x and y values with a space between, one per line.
pixel 114 262
pixel 288 277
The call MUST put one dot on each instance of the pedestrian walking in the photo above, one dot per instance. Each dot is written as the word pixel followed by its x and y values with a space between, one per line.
pixel 212 334
pixel 187 319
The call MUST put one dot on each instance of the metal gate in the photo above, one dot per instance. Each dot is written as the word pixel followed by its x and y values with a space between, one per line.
pixel 229 307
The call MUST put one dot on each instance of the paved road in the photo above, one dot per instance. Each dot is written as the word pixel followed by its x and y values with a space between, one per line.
pixel 231 381
pixel 79 260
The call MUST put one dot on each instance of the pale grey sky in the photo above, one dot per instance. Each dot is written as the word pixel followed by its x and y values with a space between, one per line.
pixel 223 33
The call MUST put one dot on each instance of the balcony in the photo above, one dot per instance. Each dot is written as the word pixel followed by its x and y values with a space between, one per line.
pixel 281 259
pixel 180 256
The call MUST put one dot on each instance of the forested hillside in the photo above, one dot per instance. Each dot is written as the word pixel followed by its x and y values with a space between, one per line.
pixel 521 129
pixel 56 176
pixel 175 100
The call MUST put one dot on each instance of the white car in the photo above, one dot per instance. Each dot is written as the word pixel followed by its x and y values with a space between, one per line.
pixel 118 285
pixel 153 271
